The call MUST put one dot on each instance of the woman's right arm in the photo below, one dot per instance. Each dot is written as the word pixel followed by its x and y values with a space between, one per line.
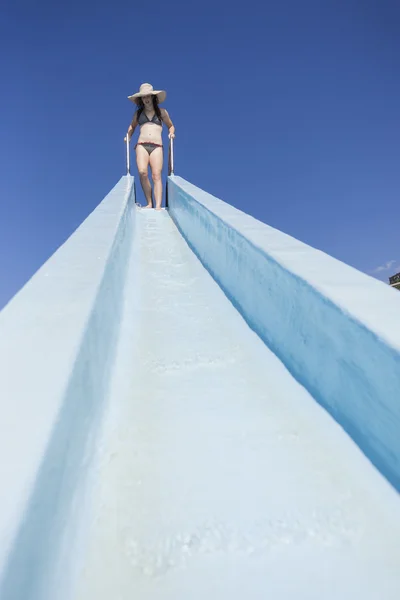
pixel 131 128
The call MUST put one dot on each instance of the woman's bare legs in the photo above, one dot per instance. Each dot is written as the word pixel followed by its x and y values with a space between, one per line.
pixel 156 164
pixel 142 161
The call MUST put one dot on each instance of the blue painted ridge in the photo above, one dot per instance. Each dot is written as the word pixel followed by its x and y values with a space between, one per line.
pixel 343 351
pixel 27 574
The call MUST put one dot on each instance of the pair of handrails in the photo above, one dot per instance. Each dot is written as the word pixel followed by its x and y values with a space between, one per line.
pixel 170 157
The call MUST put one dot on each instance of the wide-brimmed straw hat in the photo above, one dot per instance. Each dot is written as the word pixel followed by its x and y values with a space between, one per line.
pixel 145 90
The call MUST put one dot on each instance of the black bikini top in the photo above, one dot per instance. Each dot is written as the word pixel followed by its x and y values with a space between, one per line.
pixel 145 119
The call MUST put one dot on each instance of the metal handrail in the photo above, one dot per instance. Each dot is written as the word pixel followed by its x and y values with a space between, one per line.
pixel 170 168
pixel 171 157
pixel 128 158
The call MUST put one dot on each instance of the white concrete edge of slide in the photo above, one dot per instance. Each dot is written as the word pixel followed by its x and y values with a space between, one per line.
pixel 356 293
pixel 335 328
pixel 47 332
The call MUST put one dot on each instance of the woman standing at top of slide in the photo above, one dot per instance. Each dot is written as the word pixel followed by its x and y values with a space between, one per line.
pixel 149 149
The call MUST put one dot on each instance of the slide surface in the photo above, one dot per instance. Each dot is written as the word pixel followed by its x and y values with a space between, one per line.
pixel 218 475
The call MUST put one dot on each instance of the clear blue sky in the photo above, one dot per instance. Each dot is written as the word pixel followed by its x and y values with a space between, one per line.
pixel 288 110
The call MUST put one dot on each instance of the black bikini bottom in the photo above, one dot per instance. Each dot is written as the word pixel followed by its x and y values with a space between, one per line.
pixel 149 146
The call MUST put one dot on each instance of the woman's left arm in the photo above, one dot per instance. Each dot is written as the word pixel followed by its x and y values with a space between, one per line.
pixel 167 120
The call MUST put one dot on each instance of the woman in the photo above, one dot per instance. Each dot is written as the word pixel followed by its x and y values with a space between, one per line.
pixel 149 149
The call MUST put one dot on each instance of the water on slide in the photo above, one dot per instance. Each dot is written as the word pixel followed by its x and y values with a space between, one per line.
pixel 219 476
